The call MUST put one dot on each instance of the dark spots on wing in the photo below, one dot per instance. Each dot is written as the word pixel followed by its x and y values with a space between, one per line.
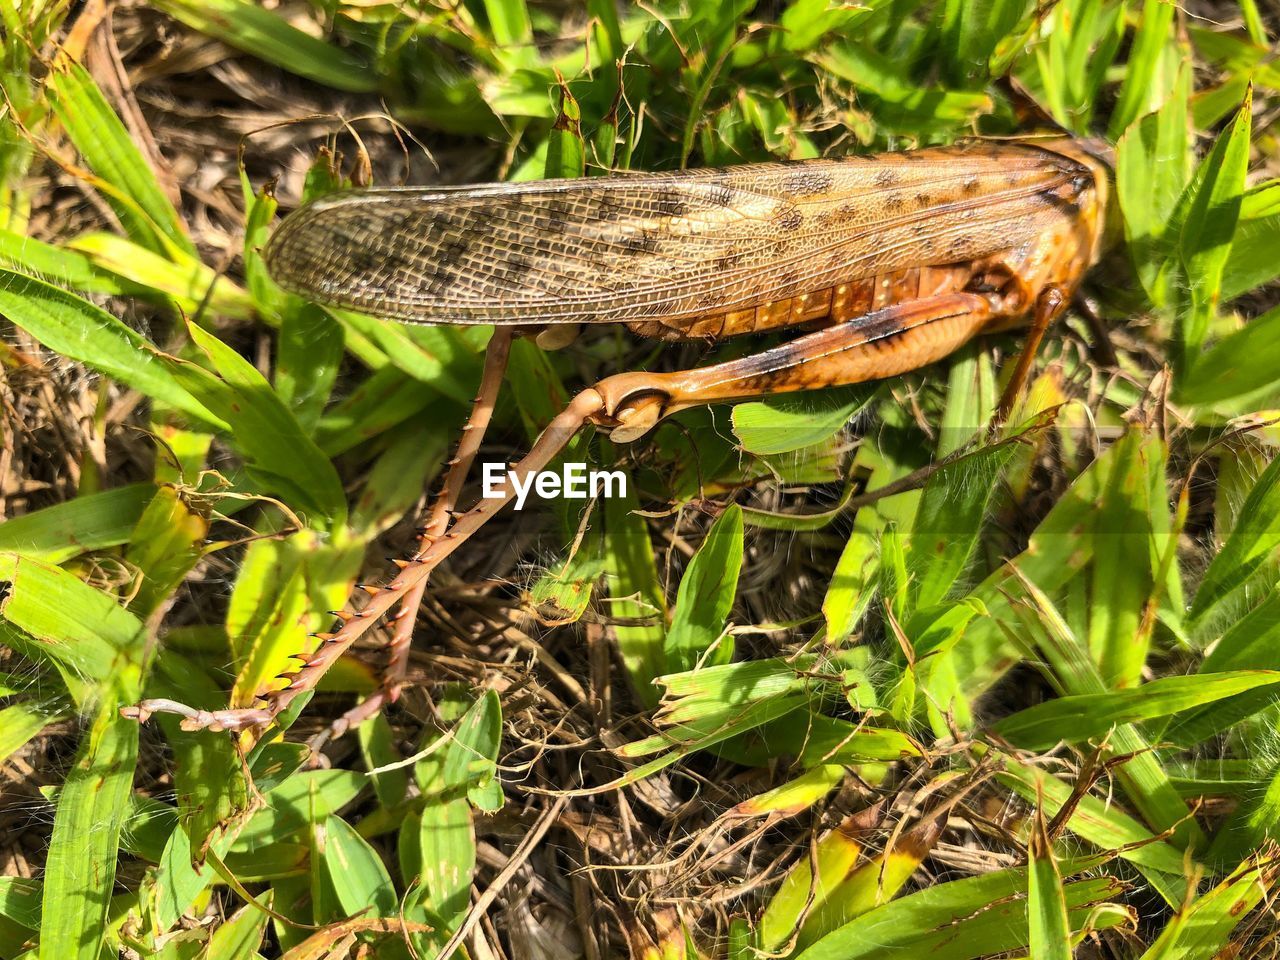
pixel 454 251
pixel 640 243
pixel 516 266
pixel 791 219
pixel 1064 205
pixel 606 209
pixel 557 215
pixel 670 204
pixel 886 177
pixel 807 183
pixel 924 199
pixel 363 259
pixel 893 203
pixel 440 278
pixel 970 186
pixel 727 262
pixel 720 194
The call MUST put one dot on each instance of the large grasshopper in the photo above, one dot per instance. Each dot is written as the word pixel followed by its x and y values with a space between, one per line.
pixel 890 262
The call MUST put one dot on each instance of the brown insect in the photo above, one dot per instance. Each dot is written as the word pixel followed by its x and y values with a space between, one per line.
pixel 890 261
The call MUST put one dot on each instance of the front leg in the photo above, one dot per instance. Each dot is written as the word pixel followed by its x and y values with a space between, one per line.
pixel 881 344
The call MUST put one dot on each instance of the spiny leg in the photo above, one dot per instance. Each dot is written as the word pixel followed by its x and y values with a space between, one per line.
pixel 432 528
pixel 413 572
pixel 1049 304
pixel 882 344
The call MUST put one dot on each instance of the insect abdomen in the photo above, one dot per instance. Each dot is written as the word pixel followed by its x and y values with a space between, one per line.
pixel 837 304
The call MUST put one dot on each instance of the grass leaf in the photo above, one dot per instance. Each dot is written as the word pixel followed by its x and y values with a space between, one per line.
pixel 77 329
pixel 1207 233
pixel 65 530
pixel 706 595
pixel 266 35
pixel 146 212
pixel 262 427
pixel 80 867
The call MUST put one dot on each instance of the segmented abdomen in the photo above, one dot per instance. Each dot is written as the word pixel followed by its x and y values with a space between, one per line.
pixel 845 301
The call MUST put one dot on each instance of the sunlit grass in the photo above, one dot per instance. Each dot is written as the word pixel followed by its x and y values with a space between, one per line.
pixel 1025 702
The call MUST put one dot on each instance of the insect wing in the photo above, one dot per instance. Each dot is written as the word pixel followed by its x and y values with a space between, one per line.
pixel 641 246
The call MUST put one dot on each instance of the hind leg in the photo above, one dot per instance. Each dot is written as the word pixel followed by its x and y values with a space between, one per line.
pixel 881 344
pixel 433 527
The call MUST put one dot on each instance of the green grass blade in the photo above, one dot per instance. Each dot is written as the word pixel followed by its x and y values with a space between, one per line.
pixel 963 919
pixel 165 545
pixel 191 284
pixel 453 782
pixel 240 937
pixel 853 581
pixel 1140 84
pixel 1250 543
pixel 1077 719
pixel 807 886
pixel 948 521
pixel 1102 824
pixel 266 35
pixel 356 872
pixel 1252 262
pixel 20 901
pixel 1252 825
pixel 261 427
pixel 1239 364
pixel 66 267
pixel 566 152
pixel 148 216
pixel 1153 166
pixel 795 795
pixel 80 867
pixel 94 522
pixel 636 595
pixel 80 331
pixel 871 883
pixel 279 598
pixel 81 631
pixel 1207 233
pixel 706 596
pixel 1203 928
pixel 1142 775
pixel 784 424
pixel 1050 934
pixel 309 353
pixel 19 723
pixel 1123 578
